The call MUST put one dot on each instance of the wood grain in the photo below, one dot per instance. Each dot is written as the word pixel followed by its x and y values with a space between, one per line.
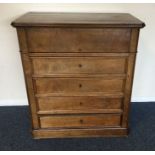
pixel 87 65
pixel 79 70
pixel 62 19
pixel 80 104
pixel 130 73
pixel 21 32
pixel 60 85
pixel 30 89
pixel 72 133
pixel 80 121
pixel 78 40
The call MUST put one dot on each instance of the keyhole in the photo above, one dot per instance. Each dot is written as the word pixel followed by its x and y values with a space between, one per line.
pixel 81 103
pixel 81 121
pixel 80 65
pixel 80 85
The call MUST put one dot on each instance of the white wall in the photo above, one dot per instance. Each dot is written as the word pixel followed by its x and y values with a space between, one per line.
pixel 12 87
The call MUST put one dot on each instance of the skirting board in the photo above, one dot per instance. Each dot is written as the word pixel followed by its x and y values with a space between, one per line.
pixel 25 102
pixel 13 102
pixel 143 99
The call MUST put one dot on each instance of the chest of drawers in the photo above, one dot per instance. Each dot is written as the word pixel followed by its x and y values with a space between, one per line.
pixel 78 71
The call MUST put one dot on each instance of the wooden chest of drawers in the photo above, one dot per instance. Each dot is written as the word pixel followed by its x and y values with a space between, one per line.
pixel 78 70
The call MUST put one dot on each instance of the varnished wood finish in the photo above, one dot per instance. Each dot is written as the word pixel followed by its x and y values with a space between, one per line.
pixel 30 89
pixel 130 73
pixel 80 121
pixel 128 89
pixel 74 65
pixel 67 85
pixel 22 40
pixel 94 94
pixel 78 40
pixel 53 105
pixel 79 70
pixel 44 55
pixel 90 132
pixel 49 19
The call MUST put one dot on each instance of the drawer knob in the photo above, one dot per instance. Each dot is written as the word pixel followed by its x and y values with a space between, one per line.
pixel 81 103
pixel 80 65
pixel 81 121
pixel 80 85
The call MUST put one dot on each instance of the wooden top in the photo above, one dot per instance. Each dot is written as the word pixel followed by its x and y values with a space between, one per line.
pixel 50 19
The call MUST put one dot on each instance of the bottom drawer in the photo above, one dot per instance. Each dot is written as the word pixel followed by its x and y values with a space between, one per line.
pixel 80 121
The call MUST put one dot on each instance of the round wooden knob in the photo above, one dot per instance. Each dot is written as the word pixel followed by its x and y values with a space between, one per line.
pixel 80 65
pixel 80 85
pixel 81 103
pixel 81 121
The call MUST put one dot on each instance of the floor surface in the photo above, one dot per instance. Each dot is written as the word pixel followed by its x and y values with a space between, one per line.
pixel 15 133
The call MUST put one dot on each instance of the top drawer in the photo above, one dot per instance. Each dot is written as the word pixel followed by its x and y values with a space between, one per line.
pixel 78 39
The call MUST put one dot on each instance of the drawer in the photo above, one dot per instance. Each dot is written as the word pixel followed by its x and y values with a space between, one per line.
pixel 80 121
pixel 78 104
pixel 78 39
pixel 73 65
pixel 75 85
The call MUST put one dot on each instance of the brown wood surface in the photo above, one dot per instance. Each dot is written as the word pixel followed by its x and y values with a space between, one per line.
pixel 78 40
pixel 21 32
pixel 130 73
pixel 94 54
pixel 80 121
pixel 94 94
pixel 54 19
pixel 79 70
pixel 30 89
pixel 89 65
pixel 90 132
pixel 81 111
pixel 80 104
pixel 60 85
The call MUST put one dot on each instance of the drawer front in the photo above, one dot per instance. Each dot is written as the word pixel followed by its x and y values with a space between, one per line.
pixel 78 39
pixel 78 103
pixel 71 85
pixel 80 121
pixel 79 65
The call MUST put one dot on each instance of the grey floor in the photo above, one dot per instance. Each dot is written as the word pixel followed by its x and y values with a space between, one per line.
pixel 15 133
